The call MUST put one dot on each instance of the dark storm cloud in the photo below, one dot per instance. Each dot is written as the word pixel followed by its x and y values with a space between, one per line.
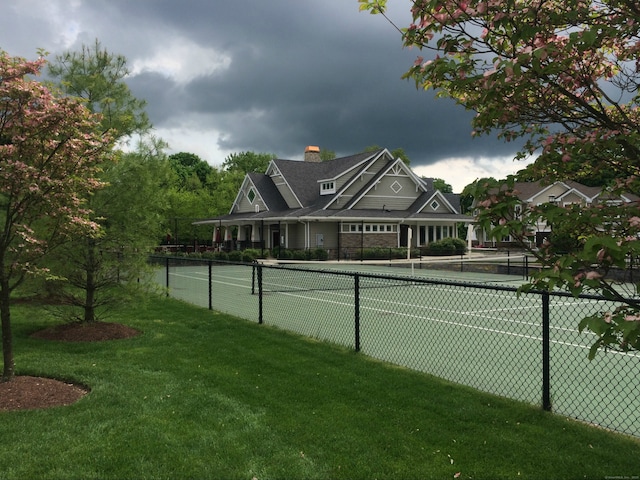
pixel 294 73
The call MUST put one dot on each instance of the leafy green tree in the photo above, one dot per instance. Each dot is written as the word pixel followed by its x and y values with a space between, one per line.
pixel 326 155
pixel 130 209
pixel 562 77
pixel 440 184
pixel 396 153
pixel 50 154
pixel 98 78
pixel 247 162
pixel 192 171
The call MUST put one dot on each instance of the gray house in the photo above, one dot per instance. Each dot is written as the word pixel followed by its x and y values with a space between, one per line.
pixel 360 201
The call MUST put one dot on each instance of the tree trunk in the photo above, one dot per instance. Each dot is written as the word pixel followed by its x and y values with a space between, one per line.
pixel 7 338
pixel 90 285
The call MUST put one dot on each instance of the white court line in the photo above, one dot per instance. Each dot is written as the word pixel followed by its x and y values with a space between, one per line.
pixel 437 320
pixel 213 281
pixel 432 319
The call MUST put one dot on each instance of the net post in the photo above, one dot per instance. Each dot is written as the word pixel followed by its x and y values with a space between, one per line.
pixel 253 278
pixel 356 303
pixel 546 377
pixel 210 286
pixel 166 274
pixel 259 267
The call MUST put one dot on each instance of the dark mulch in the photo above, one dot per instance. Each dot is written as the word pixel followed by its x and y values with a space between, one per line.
pixel 26 392
pixel 86 332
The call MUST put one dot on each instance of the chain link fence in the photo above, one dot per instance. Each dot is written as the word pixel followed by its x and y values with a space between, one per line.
pixel 484 335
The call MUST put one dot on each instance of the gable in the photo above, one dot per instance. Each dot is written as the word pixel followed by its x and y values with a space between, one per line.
pixel 248 199
pixel 283 186
pixel 437 202
pixel 383 184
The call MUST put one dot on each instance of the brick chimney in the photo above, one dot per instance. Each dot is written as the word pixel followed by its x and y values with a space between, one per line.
pixel 312 154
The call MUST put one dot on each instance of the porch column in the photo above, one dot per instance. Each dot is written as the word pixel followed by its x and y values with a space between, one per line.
pixel 255 236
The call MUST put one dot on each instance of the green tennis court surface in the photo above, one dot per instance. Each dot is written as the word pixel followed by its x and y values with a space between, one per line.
pixel 486 338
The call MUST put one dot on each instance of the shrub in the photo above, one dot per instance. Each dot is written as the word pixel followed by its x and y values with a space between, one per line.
pixel 447 246
pixel 250 254
pixel 320 254
pixel 235 256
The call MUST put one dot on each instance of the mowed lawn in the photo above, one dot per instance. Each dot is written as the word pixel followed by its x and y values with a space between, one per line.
pixel 203 395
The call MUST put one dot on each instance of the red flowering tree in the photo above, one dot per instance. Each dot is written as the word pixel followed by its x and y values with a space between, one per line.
pixel 50 152
pixel 561 76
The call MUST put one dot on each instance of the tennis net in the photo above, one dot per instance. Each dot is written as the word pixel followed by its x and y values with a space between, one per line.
pixel 305 276
pixel 485 269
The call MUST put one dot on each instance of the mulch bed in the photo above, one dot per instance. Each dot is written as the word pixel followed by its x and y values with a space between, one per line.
pixel 27 392
pixel 86 332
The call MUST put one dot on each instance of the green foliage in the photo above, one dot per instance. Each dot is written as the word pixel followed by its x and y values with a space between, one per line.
pixel 326 155
pixel 192 171
pixel 51 153
pixel 97 76
pixel 396 153
pixel 235 256
pixel 247 162
pixel 101 271
pixel 441 185
pixel 446 246
pixel 382 253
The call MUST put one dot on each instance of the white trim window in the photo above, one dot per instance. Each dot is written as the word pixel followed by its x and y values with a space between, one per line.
pixel 327 188
pixel 369 227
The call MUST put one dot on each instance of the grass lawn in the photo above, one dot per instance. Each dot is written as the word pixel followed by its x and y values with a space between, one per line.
pixel 204 395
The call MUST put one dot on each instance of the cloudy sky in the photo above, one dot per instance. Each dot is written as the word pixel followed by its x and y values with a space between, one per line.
pixel 227 76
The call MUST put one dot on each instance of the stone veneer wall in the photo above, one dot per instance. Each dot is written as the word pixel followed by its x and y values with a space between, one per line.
pixel 369 240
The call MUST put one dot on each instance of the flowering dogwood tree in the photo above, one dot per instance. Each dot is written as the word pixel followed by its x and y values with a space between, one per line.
pixel 50 153
pixel 561 76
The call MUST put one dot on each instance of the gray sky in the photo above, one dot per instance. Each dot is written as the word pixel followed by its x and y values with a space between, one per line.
pixel 226 76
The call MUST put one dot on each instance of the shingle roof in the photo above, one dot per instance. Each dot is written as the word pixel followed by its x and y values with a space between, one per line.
pixel 268 191
pixel 303 177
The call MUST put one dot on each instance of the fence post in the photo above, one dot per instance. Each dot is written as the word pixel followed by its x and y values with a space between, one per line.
pixel 259 267
pixel 166 274
pixel 356 302
pixel 546 383
pixel 210 286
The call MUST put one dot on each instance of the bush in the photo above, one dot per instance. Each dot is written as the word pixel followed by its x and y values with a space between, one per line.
pixel 447 246
pixel 250 254
pixel 235 256
pixel 320 254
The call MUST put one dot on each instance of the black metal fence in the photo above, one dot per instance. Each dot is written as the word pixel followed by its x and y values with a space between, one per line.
pixel 485 335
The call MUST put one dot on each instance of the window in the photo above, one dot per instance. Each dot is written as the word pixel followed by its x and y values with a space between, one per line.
pixel 517 211
pixel 369 228
pixel 327 188
pixel 251 195
pixel 435 205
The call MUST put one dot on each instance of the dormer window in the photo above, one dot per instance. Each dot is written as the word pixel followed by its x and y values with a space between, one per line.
pixel 327 188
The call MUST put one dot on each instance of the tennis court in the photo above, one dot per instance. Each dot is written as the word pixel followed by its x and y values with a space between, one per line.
pixel 483 336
